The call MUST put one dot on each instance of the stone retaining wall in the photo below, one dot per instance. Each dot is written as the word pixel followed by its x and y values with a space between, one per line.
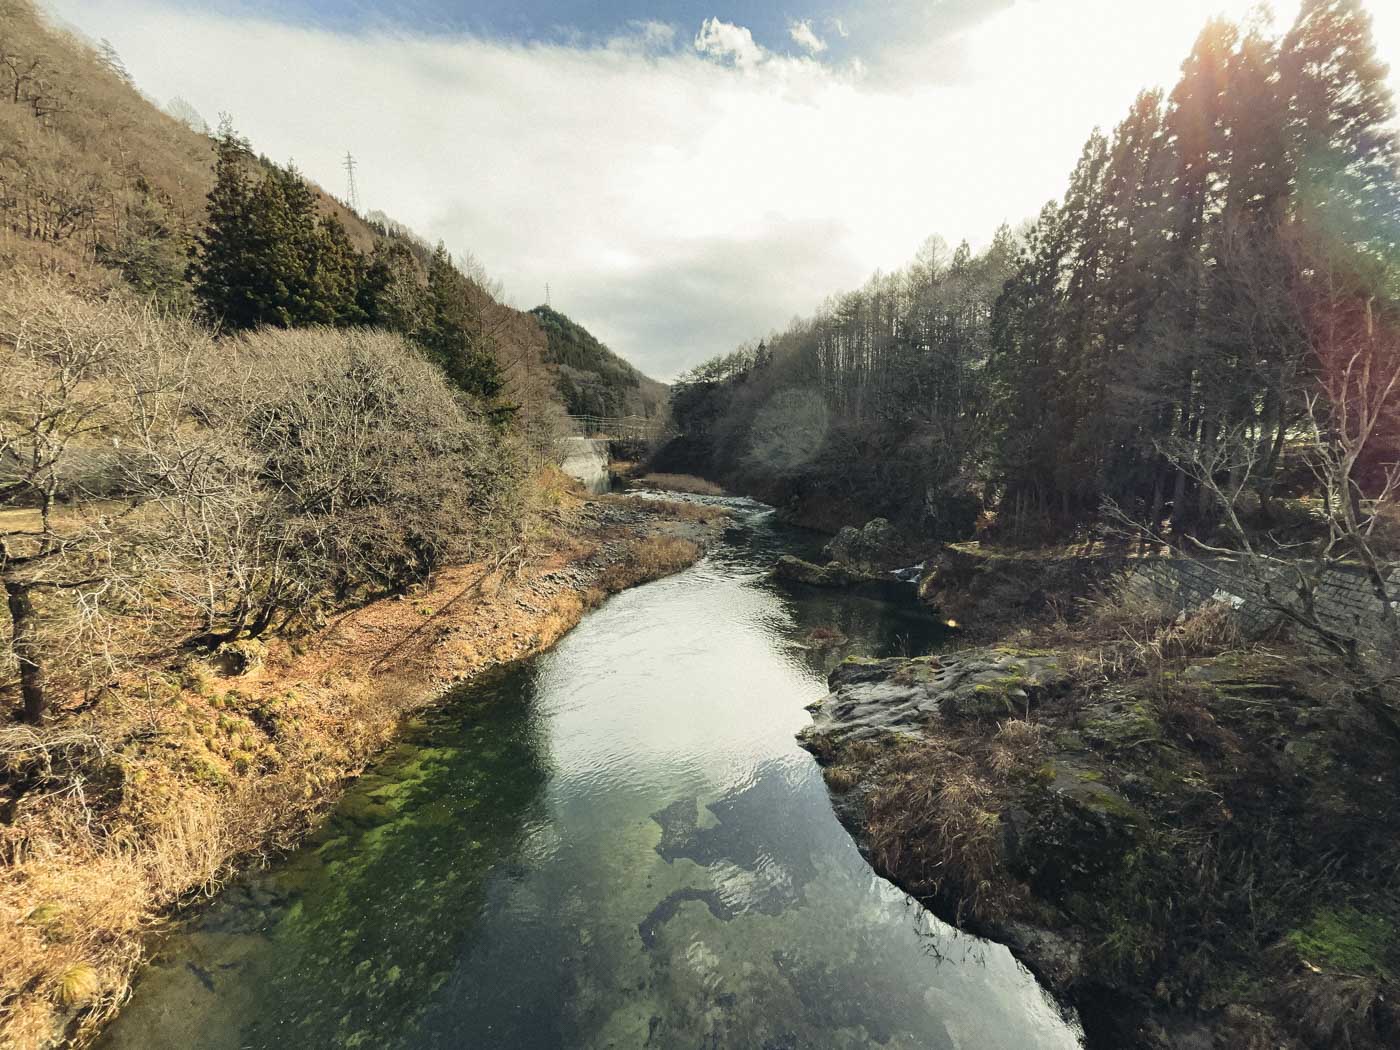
pixel 1346 600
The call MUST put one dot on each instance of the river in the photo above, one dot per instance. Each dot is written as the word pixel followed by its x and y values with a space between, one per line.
pixel 615 844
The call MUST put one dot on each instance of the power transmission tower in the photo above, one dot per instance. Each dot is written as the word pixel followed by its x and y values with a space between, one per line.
pixel 546 295
pixel 351 190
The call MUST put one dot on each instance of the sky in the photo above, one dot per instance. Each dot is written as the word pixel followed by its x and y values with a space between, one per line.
pixel 684 175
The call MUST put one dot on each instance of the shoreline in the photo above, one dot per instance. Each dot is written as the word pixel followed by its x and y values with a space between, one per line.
pixel 1182 833
pixel 238 763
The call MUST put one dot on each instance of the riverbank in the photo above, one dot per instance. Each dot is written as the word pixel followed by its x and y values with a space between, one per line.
pixel 160 789
pixel 614 844
pixel 1189 837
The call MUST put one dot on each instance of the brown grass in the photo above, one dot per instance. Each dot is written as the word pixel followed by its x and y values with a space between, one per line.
pixel 1124 633
pixel 1016 747
pixel 675 510
pixel 934 819
pixel 682 483
pixel 649 558
pixel 164 786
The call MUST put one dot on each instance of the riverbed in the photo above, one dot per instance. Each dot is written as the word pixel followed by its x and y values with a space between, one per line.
pixel 616 844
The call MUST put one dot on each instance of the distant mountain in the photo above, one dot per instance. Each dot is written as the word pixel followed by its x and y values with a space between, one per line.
pixel 594 381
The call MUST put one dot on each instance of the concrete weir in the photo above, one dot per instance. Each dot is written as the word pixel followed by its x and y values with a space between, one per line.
pixel 587 460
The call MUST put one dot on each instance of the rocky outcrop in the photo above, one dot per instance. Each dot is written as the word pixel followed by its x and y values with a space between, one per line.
pixel 1192 853
pixel 874 546
pixel 905 696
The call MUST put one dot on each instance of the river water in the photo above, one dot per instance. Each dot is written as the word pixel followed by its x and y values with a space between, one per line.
pixel 615 844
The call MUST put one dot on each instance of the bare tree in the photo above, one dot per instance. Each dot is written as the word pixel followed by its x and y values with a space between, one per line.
pixel 77 380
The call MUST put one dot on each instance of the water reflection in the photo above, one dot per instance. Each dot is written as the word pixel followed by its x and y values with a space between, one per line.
pixel 617 845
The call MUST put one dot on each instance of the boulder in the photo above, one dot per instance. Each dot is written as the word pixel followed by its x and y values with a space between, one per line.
pixel 874 546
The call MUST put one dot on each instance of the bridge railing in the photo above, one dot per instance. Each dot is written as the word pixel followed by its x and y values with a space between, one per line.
pixel 621 428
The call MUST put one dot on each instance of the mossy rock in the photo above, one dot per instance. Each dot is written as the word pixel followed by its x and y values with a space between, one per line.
pixel 1311 758
pixel 1122 725
pixel 996 698
pixel 996 692
pixel 1076 834
pixel 240 657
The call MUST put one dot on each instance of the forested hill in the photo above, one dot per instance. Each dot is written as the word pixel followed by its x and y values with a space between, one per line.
pixel 95 177
pixel 594 381
pixel 1219 274
pixel 101 184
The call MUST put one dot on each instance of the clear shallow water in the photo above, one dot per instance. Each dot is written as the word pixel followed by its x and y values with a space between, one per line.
pixel 616 844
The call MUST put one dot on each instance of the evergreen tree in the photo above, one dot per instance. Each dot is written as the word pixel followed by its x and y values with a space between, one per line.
pixel 447 327
pixel 223 266
pixel 1342 110
pixel 267 257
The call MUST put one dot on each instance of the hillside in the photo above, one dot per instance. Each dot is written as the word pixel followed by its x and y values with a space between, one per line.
pixel 95 179
pixel 97 182
pixel 592 380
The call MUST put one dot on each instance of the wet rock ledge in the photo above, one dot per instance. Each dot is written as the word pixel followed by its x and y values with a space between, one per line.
pixel 1191 853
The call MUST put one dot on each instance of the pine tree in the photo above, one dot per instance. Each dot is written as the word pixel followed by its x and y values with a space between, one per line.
pixel 222 268
pixel 1341 108
pixel 447 328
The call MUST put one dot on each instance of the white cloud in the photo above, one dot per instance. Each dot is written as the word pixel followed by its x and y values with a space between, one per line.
pixel 677 200
pixel 804 36
pixel 650 35
pixel 726 41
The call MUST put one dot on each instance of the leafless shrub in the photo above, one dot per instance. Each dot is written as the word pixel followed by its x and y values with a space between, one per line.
pixel 90 388
pixel 158 482
pixel 359 467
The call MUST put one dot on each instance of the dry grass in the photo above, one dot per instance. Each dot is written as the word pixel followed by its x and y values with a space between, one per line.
pixel 163 787
pixel 840 779
pixel 675 510
pixel 682 483
pixel 649 558
pixel 935 819
pixel 1016 747
pixel 1124 633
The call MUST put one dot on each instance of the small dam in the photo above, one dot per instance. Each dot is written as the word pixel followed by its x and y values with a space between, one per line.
pixel 586 459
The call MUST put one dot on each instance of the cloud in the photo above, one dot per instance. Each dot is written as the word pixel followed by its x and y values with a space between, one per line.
pixel 649 35
pixel 804 36
pixel 678 199
pixel 725 41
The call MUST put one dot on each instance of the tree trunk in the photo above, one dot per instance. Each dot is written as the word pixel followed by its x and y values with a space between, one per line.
pixel 25 646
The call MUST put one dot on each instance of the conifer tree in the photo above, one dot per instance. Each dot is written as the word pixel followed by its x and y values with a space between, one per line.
pixel 447 328
pixel 222 268
pixel 1342 110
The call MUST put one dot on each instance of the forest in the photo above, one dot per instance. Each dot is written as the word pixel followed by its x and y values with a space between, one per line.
pixel 1219 278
